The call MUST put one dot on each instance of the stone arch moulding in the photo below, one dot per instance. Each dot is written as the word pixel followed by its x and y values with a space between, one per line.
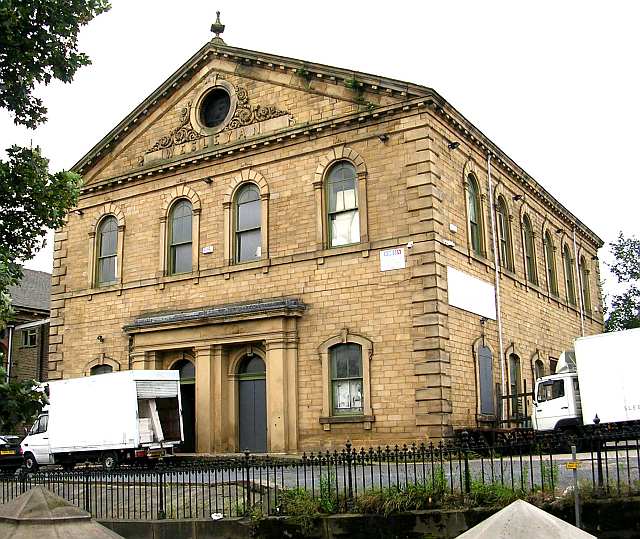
pixel 367 354
pixel 237 355
pixel 177 193
pixel 247 175
pixel 103 360
pixel 339 153
pixel 109 209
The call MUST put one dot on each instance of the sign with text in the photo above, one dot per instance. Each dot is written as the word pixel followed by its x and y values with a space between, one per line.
pixel 392 259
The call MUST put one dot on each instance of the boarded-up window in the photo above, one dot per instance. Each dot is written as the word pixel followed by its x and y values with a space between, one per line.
pixel 485 380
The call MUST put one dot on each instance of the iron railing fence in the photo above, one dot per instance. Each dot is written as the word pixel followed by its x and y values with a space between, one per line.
pixel 235 486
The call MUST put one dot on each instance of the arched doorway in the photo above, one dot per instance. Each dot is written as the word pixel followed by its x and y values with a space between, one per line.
pixel 252 404
pixel 188 396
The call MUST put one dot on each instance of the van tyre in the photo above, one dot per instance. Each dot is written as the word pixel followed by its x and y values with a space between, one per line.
pixel 110 461
pixel 30 463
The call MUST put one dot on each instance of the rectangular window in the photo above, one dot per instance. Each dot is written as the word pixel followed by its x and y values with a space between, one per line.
pixel 346 379
pixel 29 337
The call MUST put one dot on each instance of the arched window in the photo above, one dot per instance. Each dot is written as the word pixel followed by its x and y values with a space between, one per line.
pixel 550 259
pixel 343 216
pixel 107 238
pixel 568 275
pixel 186 369
pixel 515 376
pixel 529 250
pixel 101 369
pixel 248 219
pixel 346 379
pixel 584 282
pixel 474 215
pixel 180 258
pixel 538 369
pixel 485 381
pixel 504 234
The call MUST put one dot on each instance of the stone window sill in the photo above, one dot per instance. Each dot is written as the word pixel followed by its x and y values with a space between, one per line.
pixel 366 420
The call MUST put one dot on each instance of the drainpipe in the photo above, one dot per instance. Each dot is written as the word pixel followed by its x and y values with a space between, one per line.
pixel 496 264
pixel 579 280
pixel 9 353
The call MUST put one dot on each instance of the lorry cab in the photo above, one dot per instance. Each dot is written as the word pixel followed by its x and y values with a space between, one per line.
pixel 35 446
pixel 557 402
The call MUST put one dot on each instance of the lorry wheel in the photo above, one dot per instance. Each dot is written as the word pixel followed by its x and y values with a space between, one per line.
pixel 109 461
pixel 68 466
pixel 30 463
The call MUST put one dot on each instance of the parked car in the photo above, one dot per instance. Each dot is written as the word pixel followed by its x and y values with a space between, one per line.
pixel 10 453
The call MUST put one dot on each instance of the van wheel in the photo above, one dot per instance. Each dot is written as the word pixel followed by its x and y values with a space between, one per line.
pixel 109 461
pixel 30 463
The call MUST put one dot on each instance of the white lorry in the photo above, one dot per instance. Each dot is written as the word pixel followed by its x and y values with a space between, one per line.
pixel 598 382
pixel 122 417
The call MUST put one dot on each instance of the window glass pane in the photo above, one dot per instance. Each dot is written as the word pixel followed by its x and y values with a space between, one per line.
pixel 248 247
pixel 181 258
pixel 248 193
pixel 347 396
pixel 342 188
pixel 108 237
pixel 180 229
pixel 107 269
pixel 345 228
pixel 248 215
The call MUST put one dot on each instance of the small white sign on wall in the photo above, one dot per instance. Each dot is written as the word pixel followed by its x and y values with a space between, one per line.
pixel 471 294
pixel 392 259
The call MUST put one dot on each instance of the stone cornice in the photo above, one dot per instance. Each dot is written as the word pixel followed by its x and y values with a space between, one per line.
pixel 220 314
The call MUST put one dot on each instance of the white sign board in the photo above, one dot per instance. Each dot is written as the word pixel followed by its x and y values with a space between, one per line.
pixel 471 294
pixel 392 259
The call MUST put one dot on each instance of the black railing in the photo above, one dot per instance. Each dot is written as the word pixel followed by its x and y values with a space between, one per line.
pixel 340 480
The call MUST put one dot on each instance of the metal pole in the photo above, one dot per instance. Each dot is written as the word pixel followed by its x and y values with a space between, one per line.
pixel 496 264
pixel 576 491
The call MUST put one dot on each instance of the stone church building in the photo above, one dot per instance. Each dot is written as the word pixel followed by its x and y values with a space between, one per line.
pixel 323 254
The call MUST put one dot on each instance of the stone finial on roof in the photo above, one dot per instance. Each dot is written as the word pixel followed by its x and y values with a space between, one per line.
pixel 217 28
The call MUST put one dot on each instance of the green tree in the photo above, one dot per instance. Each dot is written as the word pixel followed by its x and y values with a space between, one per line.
pixel 38 43
pixel 625 306
pixel 20 403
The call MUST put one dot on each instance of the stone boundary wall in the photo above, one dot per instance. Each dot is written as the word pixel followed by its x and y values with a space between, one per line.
pixel 607 519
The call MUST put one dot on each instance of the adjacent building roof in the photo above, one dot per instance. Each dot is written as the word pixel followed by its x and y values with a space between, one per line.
pixel 526 521
pixel 33 292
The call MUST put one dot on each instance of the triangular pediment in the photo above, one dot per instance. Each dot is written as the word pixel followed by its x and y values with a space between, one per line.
pixel 269 95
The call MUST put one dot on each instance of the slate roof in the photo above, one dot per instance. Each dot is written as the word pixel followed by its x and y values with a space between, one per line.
pixel 33 292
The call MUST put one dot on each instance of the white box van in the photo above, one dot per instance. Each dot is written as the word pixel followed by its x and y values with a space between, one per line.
pixel 122 417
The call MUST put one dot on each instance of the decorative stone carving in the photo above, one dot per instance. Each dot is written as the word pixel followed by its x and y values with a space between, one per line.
pixel 244 115
pixel 181 134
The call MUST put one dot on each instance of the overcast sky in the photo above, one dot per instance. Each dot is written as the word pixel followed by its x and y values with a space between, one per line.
pixel 555 84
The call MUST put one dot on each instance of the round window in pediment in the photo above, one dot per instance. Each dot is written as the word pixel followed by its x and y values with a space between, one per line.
pixel 214 107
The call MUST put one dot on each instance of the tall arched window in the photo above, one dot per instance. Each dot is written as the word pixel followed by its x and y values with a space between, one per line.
pixel 515 388
pixel 550 259
pixel 538 369
pixel 584 282
pixel 346 379
pixel 180 257
pixel 342 204
pixel 568 275
pixel 474 215
pixel 504 234
pixel 529 250
pixel 248 219
pixel 107 238
pixel 485 381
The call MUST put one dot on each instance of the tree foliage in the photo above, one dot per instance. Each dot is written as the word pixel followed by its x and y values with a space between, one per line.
pixel 39 43
pixel 625 306
pixel 20 403
pixel 32 200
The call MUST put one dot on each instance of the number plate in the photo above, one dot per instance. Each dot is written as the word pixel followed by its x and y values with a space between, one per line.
pixel 7 452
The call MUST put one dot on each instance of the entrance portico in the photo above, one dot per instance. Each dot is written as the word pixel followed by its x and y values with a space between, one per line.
pixel 221 338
